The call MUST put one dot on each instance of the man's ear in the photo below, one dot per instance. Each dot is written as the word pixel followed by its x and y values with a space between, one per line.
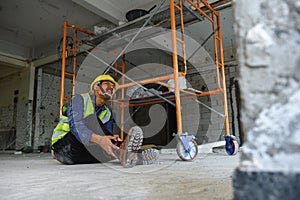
pixel 95 87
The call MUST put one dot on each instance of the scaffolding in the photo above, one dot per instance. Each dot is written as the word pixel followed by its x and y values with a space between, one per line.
pixel 66 51
pixel 187 147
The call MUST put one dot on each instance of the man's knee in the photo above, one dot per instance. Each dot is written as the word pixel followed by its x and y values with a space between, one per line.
pixel 63 159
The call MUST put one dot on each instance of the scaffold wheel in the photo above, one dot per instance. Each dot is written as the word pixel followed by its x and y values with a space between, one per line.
pixel 233 147
pixel 189 153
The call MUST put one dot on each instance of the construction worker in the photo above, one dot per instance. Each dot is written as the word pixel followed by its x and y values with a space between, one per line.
pixel 84 133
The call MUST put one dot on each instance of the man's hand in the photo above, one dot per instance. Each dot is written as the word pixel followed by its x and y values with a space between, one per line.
pixel 105 143
pixel 115 140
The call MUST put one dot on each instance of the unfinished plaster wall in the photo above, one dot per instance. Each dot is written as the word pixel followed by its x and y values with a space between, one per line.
pixel 268 35
pixel 47 111
pixel 15 109
pixel 211 125
pixel 47 98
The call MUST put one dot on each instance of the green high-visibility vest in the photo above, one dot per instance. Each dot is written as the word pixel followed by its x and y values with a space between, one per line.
pixel 63 127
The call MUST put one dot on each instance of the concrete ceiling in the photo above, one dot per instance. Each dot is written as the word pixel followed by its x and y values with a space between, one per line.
pixel 32 29
pixel 115 10
pixel 32 24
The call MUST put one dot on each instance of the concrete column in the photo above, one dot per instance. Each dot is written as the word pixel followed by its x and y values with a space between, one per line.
pixel 37 118
pixel 268 38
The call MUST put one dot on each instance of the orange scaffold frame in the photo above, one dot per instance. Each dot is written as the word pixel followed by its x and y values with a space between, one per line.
pixel 219 63
pixel 64 56
pixel 203 8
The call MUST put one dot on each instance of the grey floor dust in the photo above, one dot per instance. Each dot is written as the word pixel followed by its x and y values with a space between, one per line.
pixel 38 176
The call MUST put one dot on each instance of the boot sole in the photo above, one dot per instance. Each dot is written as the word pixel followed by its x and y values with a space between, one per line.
pixel 135 139
pixel 148 157
pixel 134 143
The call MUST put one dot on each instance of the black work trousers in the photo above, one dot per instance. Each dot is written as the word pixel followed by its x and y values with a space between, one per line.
pixel 69 150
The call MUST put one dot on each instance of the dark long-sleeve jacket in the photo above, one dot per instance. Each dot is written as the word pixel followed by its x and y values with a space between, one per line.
pixel 84 128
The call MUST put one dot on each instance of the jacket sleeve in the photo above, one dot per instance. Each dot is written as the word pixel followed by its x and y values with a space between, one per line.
pixel 77 124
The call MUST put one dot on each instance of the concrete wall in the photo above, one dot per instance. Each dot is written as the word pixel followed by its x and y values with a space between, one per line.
pixel 46 113
pixel 203 77
pixel 15 107
pixel 211 124
pixel 25 120
pixel 268 38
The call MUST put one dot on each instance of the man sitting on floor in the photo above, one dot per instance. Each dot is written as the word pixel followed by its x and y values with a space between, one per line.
pixel 84 132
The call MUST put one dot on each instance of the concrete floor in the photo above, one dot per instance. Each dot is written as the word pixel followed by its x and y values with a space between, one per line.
pixel 38 176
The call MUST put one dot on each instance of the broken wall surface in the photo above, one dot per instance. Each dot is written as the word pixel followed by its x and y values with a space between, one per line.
pixel 268 38
pixel 47 111
pixel 46 114
pixel 203 77
pixel 15 107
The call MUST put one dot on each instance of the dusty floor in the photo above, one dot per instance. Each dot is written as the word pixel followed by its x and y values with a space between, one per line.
pixel 38 176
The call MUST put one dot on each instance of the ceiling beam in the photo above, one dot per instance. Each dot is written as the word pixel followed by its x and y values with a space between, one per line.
pixel 10 61
pixel 104 9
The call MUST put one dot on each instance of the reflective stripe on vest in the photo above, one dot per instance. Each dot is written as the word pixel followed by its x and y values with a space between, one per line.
pixel 88 105
pixel 62 128
pixel 104 116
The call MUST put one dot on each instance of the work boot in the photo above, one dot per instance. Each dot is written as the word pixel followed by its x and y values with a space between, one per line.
pixel 130 146
pixel 148 157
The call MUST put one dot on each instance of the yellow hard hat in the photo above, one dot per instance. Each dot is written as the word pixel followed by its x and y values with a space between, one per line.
pixel 104 77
